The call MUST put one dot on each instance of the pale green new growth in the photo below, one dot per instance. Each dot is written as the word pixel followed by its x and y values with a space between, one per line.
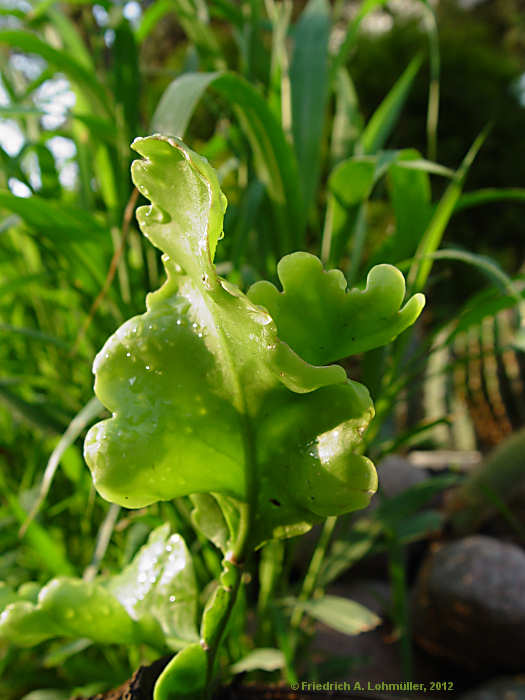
pixel 344 322
pixel 154 600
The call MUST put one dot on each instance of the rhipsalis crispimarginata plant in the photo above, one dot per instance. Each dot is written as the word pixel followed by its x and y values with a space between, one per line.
pixel 228 398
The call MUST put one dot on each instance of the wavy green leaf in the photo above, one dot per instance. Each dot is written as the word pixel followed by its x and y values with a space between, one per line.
pixel 154 600
pixel 274 158
pixel 345 322
pixel 68 607
pixel 246 417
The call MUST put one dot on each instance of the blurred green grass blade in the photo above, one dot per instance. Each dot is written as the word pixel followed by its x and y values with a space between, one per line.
pixel 431 239
pixel 85 79
pixel 384 119
pixel 309 91
pixel 486 304
pixel 225 9
pixel 488 195
pixel 83 418
pixel 178 102
pixel 486 265
pixel 349 185
pixel 194 20
pixel 343 53
pixel 433 87
pixel 410 196
pixel 9 286
pixel 348 550
pixel 345 616
pixel 400 602
pixel 393 511
pixel 491 270
pixel 49 552
pixel 151 17
pixel 420 525
pixel 71 39
pixel 426 166
pixel 12 12
pixel 347 124
pixel 34 335
pixel 126 76
pixel 246 219
pixel 409 437
pixel 13 111
pixel 275 162
pixel 59 220
pixel 33 415
pixel 100 129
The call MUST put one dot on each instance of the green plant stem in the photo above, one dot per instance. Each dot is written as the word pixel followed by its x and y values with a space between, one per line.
pixel 270 572
pixel 311 578
pixel 400 612
pixel 226 596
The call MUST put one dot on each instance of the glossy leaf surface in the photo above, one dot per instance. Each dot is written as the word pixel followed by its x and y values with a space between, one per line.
pixel 345 322
pixel 207 397
pixel 154 600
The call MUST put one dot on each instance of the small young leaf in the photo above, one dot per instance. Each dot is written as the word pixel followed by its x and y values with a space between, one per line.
pixel 208 519
pixel 345 323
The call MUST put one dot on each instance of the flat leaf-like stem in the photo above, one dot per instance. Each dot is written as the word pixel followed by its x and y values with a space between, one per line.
pixel 154 600
pixel 322 321
pixel 206 396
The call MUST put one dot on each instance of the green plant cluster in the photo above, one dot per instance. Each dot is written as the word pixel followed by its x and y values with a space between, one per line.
pixel 265 92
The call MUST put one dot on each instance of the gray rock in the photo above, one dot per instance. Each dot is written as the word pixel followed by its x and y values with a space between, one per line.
pixel 512 688
pixel 469 604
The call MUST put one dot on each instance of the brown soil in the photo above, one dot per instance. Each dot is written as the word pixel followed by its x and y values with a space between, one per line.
pixel 140 687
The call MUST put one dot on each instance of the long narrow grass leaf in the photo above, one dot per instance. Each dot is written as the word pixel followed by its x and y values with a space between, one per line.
pixel 309 91
pixel 380 125
pixel 431 239
pixel 79 423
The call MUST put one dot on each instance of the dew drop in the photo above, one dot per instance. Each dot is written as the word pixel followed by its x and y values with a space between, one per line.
pixel 169 547
pixel 160 216
pixel 148 367
pixel 179 322
pixel 172 598
pixel 132 380
pixel 193 325
pixel 128 354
